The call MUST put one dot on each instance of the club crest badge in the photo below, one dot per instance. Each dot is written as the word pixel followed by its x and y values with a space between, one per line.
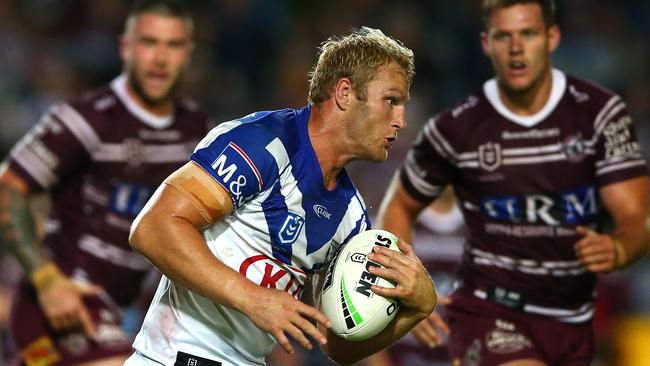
pixel 574 148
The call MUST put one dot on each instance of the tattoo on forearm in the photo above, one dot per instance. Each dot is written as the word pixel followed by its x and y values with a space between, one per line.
pixel 18 229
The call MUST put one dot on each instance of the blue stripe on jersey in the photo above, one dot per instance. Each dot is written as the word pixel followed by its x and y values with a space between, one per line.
pixel 324 209
pixel 276 213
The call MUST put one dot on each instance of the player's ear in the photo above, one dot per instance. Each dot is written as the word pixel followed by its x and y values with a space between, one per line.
pixel 343 93
pixel 485 43
pixel 554 36
pixel 125 50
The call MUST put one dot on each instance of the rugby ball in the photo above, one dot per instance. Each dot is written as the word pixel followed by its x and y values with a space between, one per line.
pixel 355 311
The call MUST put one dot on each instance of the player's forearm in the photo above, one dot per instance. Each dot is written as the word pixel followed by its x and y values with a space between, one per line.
pixel 18 230
pixel 347 353
pixel 180 252
pixel 398 212
pixel 398 221
pixel 632 236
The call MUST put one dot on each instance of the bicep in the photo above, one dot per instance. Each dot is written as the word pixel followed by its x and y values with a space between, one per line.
pixel 626 199
pixel 190 194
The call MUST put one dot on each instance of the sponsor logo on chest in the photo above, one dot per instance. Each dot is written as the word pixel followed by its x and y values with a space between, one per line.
pixel 321 212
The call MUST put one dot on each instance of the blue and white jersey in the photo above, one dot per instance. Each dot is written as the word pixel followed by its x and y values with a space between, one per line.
pixel 285 226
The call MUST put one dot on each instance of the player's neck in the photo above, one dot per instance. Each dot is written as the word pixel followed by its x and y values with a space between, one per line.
pixel 324 137
pixel 530 101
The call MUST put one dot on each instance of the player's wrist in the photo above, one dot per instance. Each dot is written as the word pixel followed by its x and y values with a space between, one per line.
pixel 620 254
pixel 44 276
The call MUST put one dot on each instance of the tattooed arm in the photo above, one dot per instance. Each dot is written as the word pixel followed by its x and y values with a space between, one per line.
pixel 17 224
pixel 60 298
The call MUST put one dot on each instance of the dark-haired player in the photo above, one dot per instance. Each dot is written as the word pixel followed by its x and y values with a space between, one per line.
pixel 537 158
pixel 99 157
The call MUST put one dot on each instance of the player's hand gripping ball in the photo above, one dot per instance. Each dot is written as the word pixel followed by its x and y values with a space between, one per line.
pixel 355 311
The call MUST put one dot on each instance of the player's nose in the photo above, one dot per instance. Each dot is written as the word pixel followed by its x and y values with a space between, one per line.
pixel 399 118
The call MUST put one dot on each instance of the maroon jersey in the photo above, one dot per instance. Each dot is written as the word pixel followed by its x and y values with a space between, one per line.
pixel 101 157
pixel 524 183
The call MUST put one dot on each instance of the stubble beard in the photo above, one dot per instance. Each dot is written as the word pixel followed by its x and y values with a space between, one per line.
pixel 136 86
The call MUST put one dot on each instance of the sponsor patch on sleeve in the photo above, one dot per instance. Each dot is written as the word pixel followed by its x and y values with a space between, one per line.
pixel 236 172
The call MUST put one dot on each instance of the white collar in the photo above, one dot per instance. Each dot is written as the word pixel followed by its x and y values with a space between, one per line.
pixel 491 91
pixel 118 85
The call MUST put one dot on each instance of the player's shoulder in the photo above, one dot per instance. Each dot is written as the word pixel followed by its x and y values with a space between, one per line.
pixel 589 96
pixel 461 116
pixel 190 108
pixel 85 112
pixel 96 100
pixel 265 126
pixel 258 129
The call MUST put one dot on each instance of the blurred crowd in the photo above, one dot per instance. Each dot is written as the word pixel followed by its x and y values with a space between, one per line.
pixel 255 55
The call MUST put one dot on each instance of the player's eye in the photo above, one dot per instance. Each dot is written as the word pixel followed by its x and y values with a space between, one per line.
pixel 528 33
pixel 147 41
pixel 502 36
pixel 177 44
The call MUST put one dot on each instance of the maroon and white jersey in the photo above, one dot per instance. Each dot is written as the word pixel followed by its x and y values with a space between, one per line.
pixel 524 183
pixel 101 157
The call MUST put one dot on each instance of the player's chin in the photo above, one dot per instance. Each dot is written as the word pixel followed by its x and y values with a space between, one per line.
pixel 381 156
pixel 159 96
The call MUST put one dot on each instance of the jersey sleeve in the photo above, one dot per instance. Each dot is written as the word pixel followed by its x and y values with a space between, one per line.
pixel 238 159
pixel 56 145
pixel 618 153
pixel 427 168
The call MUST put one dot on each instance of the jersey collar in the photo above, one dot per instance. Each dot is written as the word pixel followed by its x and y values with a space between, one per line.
pixel 118 85
pixel 491 91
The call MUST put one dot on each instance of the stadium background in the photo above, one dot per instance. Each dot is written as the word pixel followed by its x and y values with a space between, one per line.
pixel 255 54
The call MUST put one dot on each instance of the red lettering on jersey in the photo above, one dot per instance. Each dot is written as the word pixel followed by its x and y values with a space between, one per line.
pixel 270 279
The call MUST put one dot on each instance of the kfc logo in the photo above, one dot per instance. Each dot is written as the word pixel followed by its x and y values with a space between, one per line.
pixel 271 273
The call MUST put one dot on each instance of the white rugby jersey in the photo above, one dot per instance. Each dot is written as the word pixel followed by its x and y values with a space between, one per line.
pixel 285 226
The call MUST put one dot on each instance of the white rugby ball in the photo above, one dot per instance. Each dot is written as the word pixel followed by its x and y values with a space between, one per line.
pixel 355 311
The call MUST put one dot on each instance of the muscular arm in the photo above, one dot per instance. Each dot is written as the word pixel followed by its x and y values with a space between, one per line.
pixel 168 232
pixel 627 203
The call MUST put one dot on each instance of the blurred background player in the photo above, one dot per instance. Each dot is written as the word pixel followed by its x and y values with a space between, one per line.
pixel 537 159
pixel 99 157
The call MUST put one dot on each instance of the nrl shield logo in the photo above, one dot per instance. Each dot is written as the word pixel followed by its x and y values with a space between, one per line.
pixel 489 156
pixel 291 228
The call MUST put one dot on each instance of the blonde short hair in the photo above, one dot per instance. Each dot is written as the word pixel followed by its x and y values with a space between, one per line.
pixel 357 56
